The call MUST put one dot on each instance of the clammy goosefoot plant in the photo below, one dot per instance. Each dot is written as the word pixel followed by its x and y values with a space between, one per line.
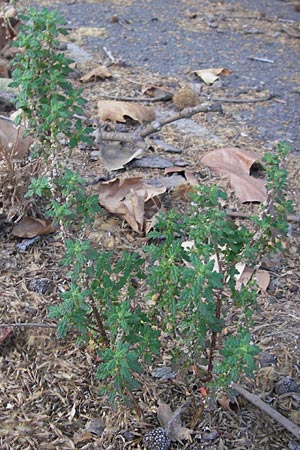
pixel 193 272
pixel 191 275
pixel 100 299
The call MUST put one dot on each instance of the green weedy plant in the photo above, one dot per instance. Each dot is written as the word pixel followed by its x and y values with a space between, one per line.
pixel 47 99
pixel 101 305
pixel 100 300
pixel 192 278
pixel 49 102
pixel 193 274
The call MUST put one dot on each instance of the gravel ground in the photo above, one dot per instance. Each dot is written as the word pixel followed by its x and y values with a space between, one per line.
pixel 173 37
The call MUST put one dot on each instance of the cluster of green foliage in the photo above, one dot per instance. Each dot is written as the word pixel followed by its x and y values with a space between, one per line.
pixel 191 260
pixel 48 100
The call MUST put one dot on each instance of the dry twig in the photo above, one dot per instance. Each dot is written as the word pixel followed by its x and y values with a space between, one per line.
pixel 242 100
pixel 137 138
pixel 158 98
pixel 256 401
pixel 241 215
pixel 28 325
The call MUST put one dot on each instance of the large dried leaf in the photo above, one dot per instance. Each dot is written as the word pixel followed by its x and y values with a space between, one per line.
pixel 263 279
pixel 228 403
pixel 245 274
pixel 209 76
pixel 8 26
pixel 116 157
pixel 118 111
pixel 12 141
pixel 235 163
pixel 99 72
pixel 156 91
pixel 189 177
pixel 132 199
pixel 171 422
pixel 247 188
pixel 29 227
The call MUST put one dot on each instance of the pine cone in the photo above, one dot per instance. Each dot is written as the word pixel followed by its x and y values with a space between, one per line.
pixel 156 439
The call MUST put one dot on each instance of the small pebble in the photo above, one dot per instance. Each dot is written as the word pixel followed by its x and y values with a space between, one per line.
pixel 285 385
pixel 40 285
pixel 267 359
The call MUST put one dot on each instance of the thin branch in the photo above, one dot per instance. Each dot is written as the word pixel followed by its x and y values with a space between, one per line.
pixel 137 138
pixel 157 125
pixel 158 98
pixel 28 324
pixel 256 401
pixel 241 215
pixel 242 100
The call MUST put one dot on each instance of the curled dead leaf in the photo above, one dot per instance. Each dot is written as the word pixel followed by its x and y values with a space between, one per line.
pixel 29 227
pixel 172 423
pixel 132 199
pixel 263 279
pixel 155 91
pixel 115 158
pixel 5 331
pixel 187 174
pixel 118 111
pixel 209 76
pixel 235 164
pixel 12 141
pixel 245 274
pixel 99 72
pixel 229 404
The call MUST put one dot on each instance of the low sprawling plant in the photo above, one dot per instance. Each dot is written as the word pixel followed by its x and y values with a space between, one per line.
pixel 189 266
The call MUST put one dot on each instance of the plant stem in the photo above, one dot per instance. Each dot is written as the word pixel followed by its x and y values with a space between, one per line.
pixel 214 334
pixel 99 322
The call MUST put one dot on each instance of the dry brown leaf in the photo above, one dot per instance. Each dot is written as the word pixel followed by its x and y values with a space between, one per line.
pixel 5 331
pixel 209 76
pixel 115 157
pixel 118 111
pixel 244 275
pixel 188 175
pixel 247 188
pixel 262 279
pixel 29 227
pixel 172 423
pixel 93 75
pixel 230 159
pixel 235 163
pixel 229 404
pixel 4 67
pixel 8 135
pixel 132 199
pixel 155 91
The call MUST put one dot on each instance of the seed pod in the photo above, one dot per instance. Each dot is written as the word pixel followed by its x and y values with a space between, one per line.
pixel 156 439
